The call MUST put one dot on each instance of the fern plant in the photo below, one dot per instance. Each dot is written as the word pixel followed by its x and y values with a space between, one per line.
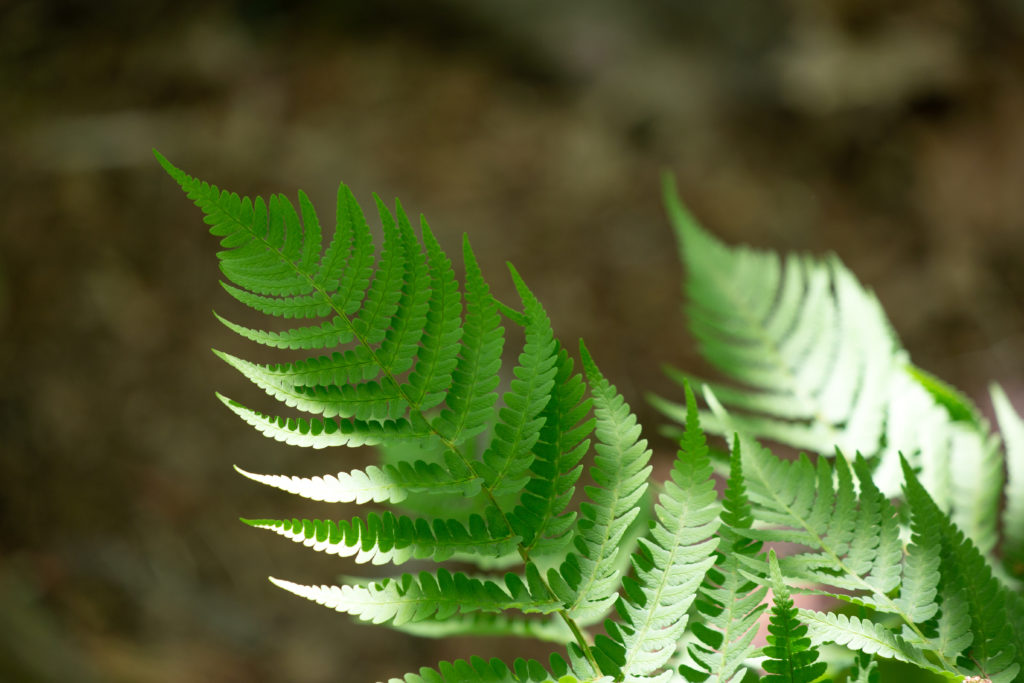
pixel 405 358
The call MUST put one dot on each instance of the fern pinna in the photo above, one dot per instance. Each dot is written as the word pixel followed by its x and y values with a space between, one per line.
pixel 407 360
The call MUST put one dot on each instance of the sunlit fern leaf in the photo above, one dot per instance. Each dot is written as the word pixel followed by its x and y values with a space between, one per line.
pixel 1012 427
pixel 506 462
pixel 968 579
pixel 390 483
pixel 387 538
pixel 729 603
pixel 672 561
pixel 818 367
pixel 588 580
pixel 541 516
pixel 478 670
pixel 490 624
pixel 790 656
pixel 417 597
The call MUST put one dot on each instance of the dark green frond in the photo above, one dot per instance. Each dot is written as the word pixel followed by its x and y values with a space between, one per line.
pixel 790 656
pixel 672 560
pixel 967 580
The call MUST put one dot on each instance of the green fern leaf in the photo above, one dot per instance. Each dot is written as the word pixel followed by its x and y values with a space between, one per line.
pixel 819 368
pixel 478 670
pixel 391 483
pixel 396 539
pixel 437 359
pixel 673 559
pixel 505 463
pixel 1012 427
pixel 414 598
pixel 541 516
pixel 471 399
pixel 730 603
pixel 791 658
pixel 968 579
pixel 588 580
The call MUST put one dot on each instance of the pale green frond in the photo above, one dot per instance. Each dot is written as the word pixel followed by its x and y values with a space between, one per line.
pixel 390 483
pixel 416 597
pixel 1012 427
pixel 478 670
pixel 672 560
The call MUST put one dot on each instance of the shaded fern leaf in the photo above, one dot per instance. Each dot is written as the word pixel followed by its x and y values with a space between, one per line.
pixel 790 656
pixel 671 562
pixel 817 366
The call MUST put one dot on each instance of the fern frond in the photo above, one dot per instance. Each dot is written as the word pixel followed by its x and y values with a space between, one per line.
pixel 505 463
pixel 588 580
pixel 790 656
pixel 478 670
pixel 672 560
pixel 1012 427
pixel 730 603
pixel 415 598
pixel 541 516
pixel 317 433
pixel 471 399
pixel 818 367
pixel 968 580
pixel 489 624
pixel 396 539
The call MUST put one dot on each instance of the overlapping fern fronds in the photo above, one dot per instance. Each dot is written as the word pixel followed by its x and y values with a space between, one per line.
pixel 404 357
pixel 817 366
pixel 937 605
pixel 398 354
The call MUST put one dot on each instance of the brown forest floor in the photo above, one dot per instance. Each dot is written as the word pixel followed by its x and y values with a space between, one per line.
pixel 892 137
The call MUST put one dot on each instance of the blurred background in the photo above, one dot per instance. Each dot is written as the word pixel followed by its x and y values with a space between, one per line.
pixel 890 133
